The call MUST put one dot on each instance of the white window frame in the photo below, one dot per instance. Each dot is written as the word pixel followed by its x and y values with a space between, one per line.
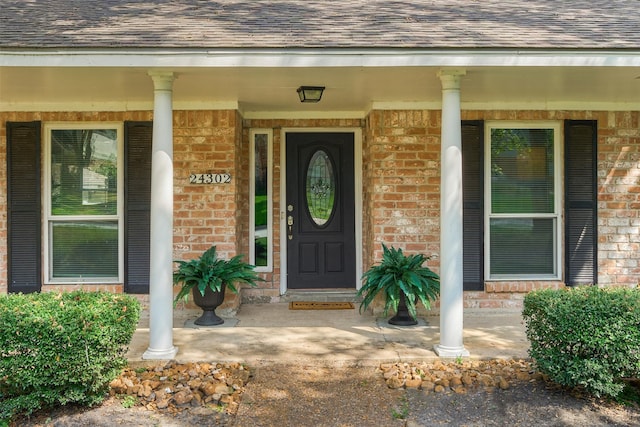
pixel 557 203
pixel 252 200
pixel 48 218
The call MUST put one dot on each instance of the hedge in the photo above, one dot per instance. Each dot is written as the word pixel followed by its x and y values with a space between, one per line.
pixel 60 348
pixel 585 337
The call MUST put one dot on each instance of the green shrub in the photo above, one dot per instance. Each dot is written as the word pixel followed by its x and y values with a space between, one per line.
pixel 60 348
pixel 585 337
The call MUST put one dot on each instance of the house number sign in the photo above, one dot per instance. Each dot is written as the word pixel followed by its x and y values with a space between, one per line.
pixel 210 178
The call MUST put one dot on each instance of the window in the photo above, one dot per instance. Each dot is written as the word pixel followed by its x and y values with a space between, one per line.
pixel 320 188
pixel 260 214
pixel 522 193
pixel 83 232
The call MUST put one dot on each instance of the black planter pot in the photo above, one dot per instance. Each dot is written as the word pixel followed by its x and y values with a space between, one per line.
pixel 402 317
pixel 208 303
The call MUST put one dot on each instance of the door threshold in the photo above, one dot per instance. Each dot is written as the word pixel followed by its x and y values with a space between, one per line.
pixel 321 295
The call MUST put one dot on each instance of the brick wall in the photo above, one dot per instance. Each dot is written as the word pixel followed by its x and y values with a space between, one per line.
pixel 401 179
pixel 619 198
pixel 205 214
pixel 204 141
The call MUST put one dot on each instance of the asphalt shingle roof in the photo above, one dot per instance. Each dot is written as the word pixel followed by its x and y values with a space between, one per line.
pixel 440 24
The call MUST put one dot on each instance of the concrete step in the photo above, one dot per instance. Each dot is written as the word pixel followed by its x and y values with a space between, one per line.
pixel 324 295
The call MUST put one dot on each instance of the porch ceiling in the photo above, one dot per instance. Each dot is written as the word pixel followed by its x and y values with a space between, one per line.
pixel 271 91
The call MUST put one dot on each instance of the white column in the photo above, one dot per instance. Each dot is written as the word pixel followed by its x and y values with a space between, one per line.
pixel 161 244
pixel 451 301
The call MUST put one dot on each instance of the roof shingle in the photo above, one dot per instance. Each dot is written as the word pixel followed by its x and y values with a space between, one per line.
pixel 438 24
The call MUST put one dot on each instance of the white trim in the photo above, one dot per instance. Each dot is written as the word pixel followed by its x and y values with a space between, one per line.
pixel 552 106
pixel 170 59
pixel 358 189
pixel 436 104
pixel 252 201
pixel 115 106
pixel 558 196
pixel 357 181
pixel 300 115
pixel 303 115
pixel 47 218
pixel 283 211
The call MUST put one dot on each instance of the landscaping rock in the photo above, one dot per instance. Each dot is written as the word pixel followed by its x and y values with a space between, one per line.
pixel 458 377
pixel 174 387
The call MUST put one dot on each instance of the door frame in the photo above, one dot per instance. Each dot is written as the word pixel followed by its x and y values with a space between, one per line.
pixel 357 183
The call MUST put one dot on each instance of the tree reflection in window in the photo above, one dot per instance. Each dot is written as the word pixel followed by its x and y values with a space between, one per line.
pixel 261 199
pixel 320 187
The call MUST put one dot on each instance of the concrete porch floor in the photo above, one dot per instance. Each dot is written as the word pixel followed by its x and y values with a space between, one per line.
pixel 273 333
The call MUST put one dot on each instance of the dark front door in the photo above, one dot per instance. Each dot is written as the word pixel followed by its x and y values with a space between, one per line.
pixel 320 211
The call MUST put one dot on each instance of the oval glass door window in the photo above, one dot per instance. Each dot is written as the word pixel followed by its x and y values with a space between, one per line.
pixel 320 188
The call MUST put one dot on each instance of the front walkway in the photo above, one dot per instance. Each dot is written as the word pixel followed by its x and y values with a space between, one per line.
pixel 273 333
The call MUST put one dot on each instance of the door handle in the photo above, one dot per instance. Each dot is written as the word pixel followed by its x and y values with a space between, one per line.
pixel 290 227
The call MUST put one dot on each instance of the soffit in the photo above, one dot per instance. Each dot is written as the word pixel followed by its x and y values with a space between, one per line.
pixel 355 89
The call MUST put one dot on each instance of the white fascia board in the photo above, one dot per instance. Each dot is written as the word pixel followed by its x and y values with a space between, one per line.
pixel 437 105
pixel 553 105
pixel 247 58
pixel 117 106
pixel 299 115
pixel 512 106
pixel 271 114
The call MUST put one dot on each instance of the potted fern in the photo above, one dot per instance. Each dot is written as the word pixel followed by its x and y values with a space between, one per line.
pixel 207 277
pixel 403 280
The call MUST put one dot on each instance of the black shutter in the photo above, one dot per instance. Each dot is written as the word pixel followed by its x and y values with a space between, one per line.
pixel 473 207
pixel 24 266
pixel 581 207
pixel 138 140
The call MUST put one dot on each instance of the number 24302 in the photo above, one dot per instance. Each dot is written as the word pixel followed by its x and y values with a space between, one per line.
pixel 210 178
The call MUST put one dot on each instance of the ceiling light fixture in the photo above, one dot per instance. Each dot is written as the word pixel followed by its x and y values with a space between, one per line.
pixel 310 93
